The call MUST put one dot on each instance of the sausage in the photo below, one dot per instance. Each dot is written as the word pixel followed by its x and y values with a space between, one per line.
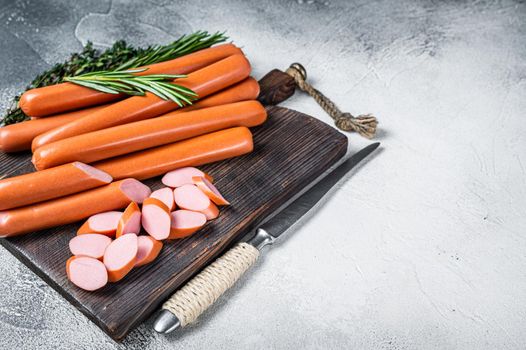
pixel 166 196
pixel 156 218
pixel 130 221
pixel 69 209
pixel 246 90
pixel 103 223
pixel 63 97
pixel 51 183
pixel 210 190
pixel 92 245
pixel 149 249
pixel 204 82
pixel 190 197
pixel 120 257
pixel 87 273
pixel 185 222
pixel 183 176
pixel 18 137
pixel 196 151
pixel 128 138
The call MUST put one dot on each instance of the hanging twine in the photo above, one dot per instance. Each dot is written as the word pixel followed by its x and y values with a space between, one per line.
pixel 364 124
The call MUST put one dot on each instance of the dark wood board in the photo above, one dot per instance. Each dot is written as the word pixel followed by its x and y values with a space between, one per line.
pixel 291 150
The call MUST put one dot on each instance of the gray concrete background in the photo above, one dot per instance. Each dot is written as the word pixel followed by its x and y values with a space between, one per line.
pixel 423 248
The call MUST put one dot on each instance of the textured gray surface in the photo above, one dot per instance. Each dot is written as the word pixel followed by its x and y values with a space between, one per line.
pixel 423 249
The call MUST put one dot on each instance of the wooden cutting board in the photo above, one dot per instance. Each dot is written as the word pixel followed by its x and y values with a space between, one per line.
pixel 291 150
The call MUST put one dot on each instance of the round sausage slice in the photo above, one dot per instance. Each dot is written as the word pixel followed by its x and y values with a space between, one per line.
pixel 149 249
pixel 192 198
pixel 210 190
pixel 183 176
pixel 185 222
pixel 130 221
pixel 103 223
pixel 120 257
pixel 92 245
pixel 86 273
pixel 156 218
pixel 166 196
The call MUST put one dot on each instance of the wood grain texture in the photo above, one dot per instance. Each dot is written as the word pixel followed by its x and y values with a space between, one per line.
pixel 291 150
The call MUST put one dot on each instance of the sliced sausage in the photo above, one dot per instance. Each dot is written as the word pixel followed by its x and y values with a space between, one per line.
pixel 166 196
pixel 103 223
pixel 128 138
pixel 210 190
pixel 92 245
pixel 49 184
pixel 130 221
pixel 192 198
pixel 70 209
pixel 156 218
pixel 18 137
pixel 183 176
pixel 203 82
pixel 185 222
pixel 120 257
pixel 62 97
pixel 87 273
pixel 192 152
pixel 149 249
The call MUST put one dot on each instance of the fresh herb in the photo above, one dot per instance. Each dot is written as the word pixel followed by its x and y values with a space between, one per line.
pixel 120 56
pixel 115 82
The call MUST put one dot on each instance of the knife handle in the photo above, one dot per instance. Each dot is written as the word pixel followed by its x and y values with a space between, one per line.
pixel 204 289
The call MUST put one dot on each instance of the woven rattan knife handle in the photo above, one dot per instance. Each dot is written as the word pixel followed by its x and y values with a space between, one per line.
pixel 204 289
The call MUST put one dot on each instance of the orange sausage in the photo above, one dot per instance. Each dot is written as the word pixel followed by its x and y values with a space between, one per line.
pixel 204 82
pixel 196 151
pixel 18 137
pixel 128 138
pixel 63 97
pixel 52 183
pixel 66 210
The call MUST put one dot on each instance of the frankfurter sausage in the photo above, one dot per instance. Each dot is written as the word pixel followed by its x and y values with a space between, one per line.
pixel 63 97
pixel 87 273
pixel 120 257
pixel 130 221
pixel 67 210
pixel 149 249
pixel 210 190
pixel 165 195
pixel 52 183
pixel 190 197
pixel 156 218
pixel 183 176
pixel 185 222
pixel 92 245
pixel 204 82
pixel 18 137
pixel 102 223
pixel 128 138
pixel 196 151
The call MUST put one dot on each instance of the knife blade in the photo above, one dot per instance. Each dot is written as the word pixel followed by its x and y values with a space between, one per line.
pixel 195 297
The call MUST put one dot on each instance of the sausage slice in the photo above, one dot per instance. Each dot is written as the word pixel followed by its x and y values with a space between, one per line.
pixel 120 257
pixel 183 176
pixel 166 196
pixel 87 273
pixel 156 218
pixel 149 249
pixel 91 245
pixel 130 221
pixel 103 223
pixel 210 190
pixel 185 222
pixel 192 198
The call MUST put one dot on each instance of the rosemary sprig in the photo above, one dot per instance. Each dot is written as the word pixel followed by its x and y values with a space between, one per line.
pixel 120 56
pixel 125 82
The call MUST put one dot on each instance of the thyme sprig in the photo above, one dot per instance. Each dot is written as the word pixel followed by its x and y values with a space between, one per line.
pixel 121 56
pixel 126 82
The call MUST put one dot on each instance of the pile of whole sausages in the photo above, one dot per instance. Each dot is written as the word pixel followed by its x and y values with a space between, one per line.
pixel 90 149
pixel 109 245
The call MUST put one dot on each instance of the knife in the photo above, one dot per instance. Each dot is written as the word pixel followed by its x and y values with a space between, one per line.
pixel 204 289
